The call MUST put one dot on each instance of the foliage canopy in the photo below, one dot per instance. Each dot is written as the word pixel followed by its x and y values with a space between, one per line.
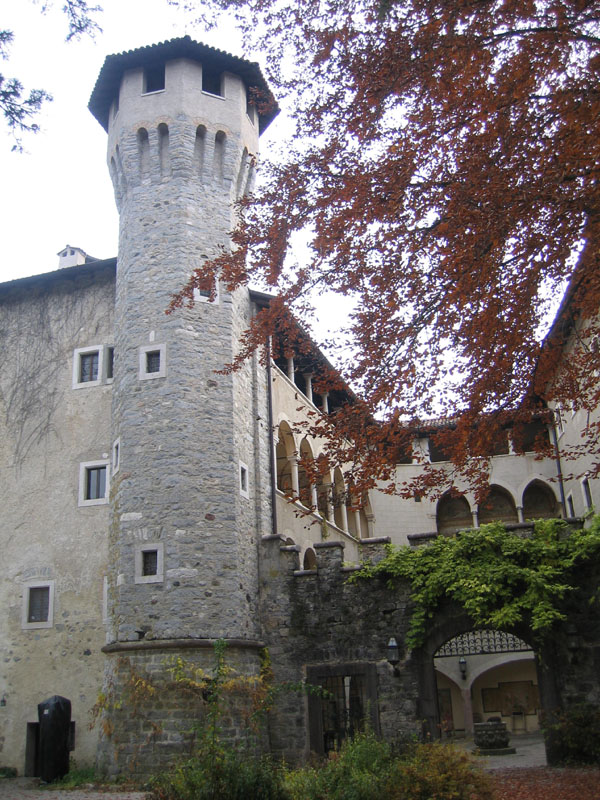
pixel 444 167
pixel 499 578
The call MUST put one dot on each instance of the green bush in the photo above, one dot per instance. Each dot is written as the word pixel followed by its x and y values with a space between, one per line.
pixel 437 772
pixel 573 736
pixel 366 769
pixel 221 772
pixel 357 772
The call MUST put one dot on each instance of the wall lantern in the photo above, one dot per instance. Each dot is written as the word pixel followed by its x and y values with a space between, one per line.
pixel 3 699
pixel 393 652
pixel 462 665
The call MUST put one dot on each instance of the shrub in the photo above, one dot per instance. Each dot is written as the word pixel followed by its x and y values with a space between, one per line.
pixel 437 772
pixel 573 736
pixel 366 769
pixel 222 772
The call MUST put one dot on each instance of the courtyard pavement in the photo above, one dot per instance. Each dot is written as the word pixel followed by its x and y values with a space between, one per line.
pixel 28 789
pixel 529 747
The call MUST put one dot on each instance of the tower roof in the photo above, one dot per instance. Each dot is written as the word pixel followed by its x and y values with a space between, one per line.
pixel 114 66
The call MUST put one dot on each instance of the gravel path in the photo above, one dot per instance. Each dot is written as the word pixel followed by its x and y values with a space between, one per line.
pixel 28 789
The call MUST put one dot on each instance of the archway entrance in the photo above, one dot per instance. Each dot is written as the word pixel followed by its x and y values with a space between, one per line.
pixel 483 674
pixel 491 658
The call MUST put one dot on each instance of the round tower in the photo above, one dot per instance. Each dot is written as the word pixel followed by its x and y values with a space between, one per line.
pixel 190 444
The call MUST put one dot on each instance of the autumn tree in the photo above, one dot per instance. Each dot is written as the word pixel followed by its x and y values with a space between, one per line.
pixel 445 169
pixel 20 107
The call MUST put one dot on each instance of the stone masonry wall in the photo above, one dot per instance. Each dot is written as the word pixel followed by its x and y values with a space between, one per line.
pixel 47 428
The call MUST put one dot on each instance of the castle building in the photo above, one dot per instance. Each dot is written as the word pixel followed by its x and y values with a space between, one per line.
pixel 148 497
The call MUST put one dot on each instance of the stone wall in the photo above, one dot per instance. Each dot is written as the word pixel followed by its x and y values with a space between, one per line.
pixel 47 428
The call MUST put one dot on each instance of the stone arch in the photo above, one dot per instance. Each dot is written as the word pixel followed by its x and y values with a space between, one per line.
pixel 284 451
pixel 324 487
pixel 498 506
pixel 451 621
pixel 339 499
pixel 539 501
pixel 453 514
pixel 310 559
pixel 305 492
pixel 356 516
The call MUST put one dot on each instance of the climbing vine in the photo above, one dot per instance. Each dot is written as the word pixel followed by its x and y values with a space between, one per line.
pixel 500 578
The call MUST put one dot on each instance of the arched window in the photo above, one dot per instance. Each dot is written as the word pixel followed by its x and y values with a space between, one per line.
pixel 339 499
pixel 304 478
pixel 453 514
pixel 284 449
pixel 144 154
pixel 310 559
pixel 163 150
pixel 498 506
pixel 324 494
pixel 539 501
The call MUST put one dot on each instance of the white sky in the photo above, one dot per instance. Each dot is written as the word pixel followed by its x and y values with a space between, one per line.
pixel 59 192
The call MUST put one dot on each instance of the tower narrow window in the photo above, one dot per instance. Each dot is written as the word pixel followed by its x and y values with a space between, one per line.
pixel 219 160
pixel 199 148
pixel 144 154
pixel 163 149
pixel 154 78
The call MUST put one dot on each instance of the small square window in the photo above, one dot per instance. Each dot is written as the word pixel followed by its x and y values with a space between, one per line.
pixel 38 605
pixel 203 295
pixel 149 563
pixel 211 81
pixel 152 361
pixel 244 491
pixel 88 367
pixel 93 483
pixel 154 78
pixel 92 366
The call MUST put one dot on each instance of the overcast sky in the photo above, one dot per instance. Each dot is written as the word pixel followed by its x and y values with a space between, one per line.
pixel 59 192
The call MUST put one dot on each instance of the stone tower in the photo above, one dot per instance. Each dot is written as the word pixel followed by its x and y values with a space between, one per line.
pixel 190 444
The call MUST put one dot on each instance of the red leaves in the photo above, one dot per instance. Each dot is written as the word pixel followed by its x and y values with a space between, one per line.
pixel 546 783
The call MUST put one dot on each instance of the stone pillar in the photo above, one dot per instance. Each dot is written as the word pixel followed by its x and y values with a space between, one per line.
pixel 308 376
pixel 293 460
pixel 325 402
pixel 291 370
pixel 468 710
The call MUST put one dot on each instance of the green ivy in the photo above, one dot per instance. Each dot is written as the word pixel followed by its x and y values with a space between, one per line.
pixel 499 578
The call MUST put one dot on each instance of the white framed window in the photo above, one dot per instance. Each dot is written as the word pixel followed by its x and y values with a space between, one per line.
pixel 93 483
pixel 244 480
pixel 116 456
pixel 38 605
pixel 93 365
pixel 149 562
pixel 203 295
pixel 152 361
